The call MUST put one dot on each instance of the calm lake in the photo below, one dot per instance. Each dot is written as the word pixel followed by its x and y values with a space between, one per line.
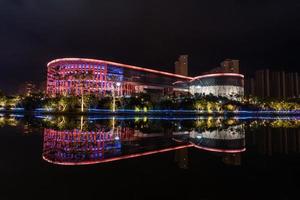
pixel 144 157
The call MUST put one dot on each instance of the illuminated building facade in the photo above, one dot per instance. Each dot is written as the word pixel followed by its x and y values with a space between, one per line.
pixel 223 81
pixel 76 76
pixel 228 85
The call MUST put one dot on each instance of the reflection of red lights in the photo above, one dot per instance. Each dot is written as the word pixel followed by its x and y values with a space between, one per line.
pixel 117 64
pixel 120 157
pixel 221 150
pixel 217 74
pixel 214 149
pixel 177 140
pixel 68 138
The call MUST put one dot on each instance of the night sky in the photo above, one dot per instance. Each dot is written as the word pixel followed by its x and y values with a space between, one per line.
pixel 261 33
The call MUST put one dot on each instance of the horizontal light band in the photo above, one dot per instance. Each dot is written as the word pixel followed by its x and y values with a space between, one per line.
pixel 220 150
pixel 217 74
pixel 117 64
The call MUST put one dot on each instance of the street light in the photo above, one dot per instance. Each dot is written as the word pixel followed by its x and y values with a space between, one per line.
pixel 118 84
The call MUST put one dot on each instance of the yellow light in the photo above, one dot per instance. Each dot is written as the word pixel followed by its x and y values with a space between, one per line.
pixel 145 109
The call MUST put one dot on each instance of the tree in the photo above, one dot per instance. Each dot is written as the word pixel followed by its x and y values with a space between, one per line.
pixel 200 104
pixel 3 101
pixel 105 102
pixel 31 102
pixel 81 79
pixel 167 103
pixel 115 85
pixel 13 101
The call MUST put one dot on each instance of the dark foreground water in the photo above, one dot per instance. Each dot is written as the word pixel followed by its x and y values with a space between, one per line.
pixel 46 157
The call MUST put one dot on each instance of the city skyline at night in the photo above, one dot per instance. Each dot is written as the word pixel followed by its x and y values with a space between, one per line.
pixel 131 99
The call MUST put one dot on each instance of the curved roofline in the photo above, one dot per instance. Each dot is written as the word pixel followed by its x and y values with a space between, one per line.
pixel 217 74
pixel 135 155
pixel 122 157
pixel 118 64
pixel 220 150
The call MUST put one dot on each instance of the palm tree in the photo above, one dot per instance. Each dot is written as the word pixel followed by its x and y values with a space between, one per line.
pixel 80 81
pixel 115 84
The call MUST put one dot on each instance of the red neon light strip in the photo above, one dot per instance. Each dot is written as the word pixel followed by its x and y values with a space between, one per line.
pixel 218 74
pixel 118 158
pixel 118 64
pixel 221 150
pixel 177 140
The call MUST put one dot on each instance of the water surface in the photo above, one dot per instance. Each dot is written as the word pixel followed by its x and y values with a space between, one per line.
pixel 149 157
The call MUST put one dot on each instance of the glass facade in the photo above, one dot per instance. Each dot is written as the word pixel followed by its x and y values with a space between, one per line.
pixel 71 146
pixel 76 76
pixel 230 139
pixel 224 84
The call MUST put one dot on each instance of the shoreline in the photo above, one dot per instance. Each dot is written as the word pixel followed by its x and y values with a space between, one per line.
pixel 157 112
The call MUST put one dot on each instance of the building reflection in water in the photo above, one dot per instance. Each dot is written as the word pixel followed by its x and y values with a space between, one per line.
pixel 232 159
pixel 106 141
pixel 182 158
pixel 71 146
pixel 10 120
pixel 274 141
pixel 225 140
pixel 116 142
pixel 229 142
pixel 90 140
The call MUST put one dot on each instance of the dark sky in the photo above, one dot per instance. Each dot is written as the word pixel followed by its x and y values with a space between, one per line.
pixel 261 33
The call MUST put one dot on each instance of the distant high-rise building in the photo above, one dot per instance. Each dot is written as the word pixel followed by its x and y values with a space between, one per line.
pixel 292 84
pixel 227 66
pixel 224 80
pixel 249 86
pixel 277 84
pixel 231 65
pixel 181 65
pixel 27 89
pixel 262 80
pixel 30 88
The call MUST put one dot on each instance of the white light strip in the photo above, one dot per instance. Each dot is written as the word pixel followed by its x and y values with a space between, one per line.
pixel 217 74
